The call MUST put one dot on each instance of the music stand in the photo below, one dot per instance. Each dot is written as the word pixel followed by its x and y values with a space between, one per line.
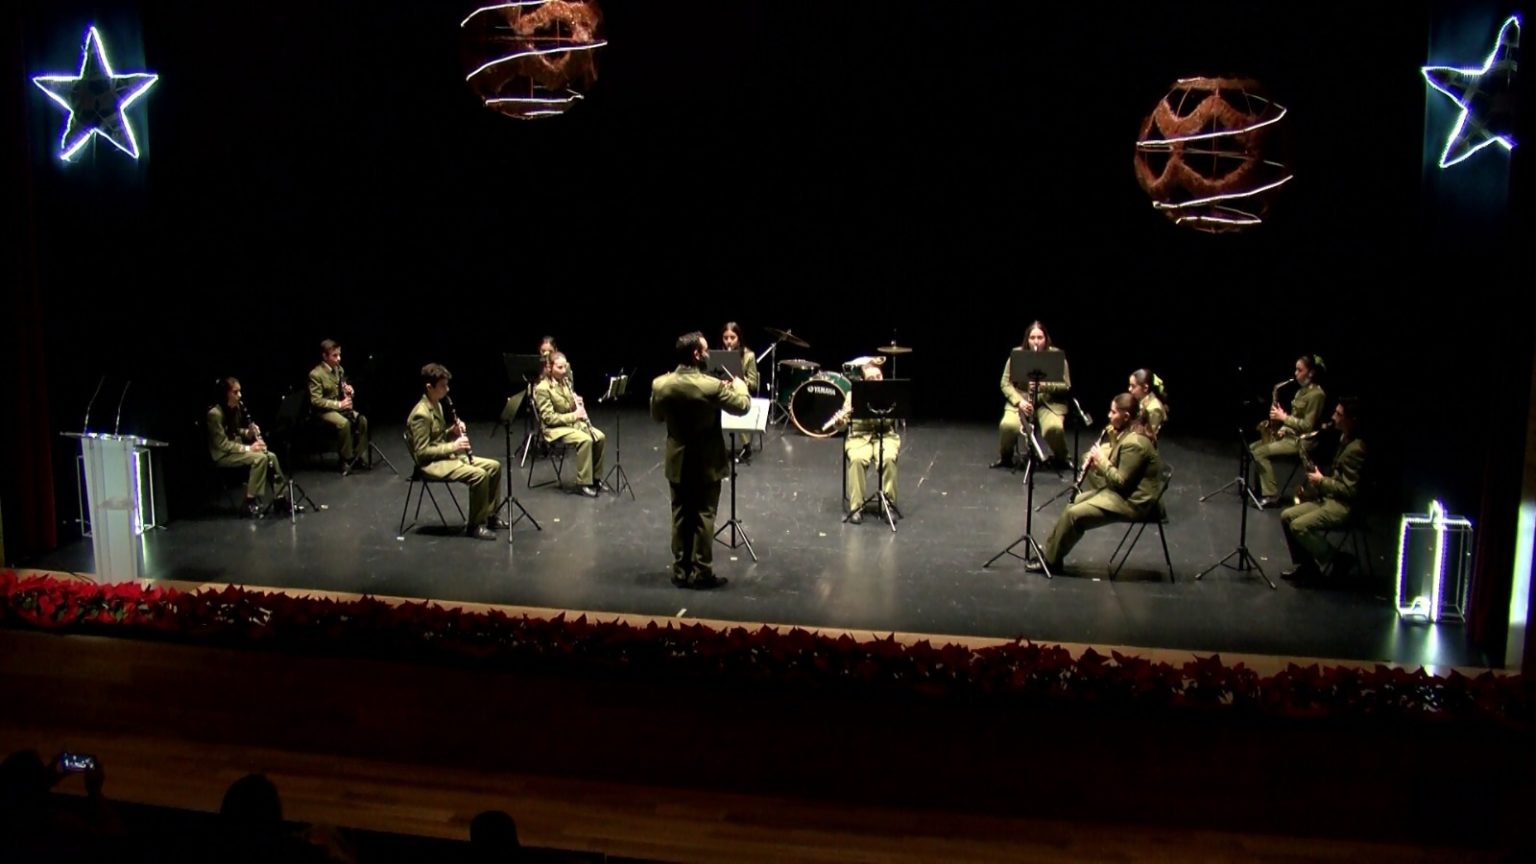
pixel 618 385
pixel 730 361
pixel 882 402
pixel 755 420
pixel 1245 560
pixel 1029 370
pixel 1032 367
pixel 522 371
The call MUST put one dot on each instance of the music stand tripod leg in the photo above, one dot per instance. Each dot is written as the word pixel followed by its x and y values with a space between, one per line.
pixel 1032 550
pixel 510 501
pixel 734 524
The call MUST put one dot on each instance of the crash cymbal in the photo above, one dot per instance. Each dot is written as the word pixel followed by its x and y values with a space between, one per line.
pixel 786 336
pixel 893 348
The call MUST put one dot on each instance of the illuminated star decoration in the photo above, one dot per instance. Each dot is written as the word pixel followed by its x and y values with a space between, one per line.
pixel 1484 95
pixel 96 99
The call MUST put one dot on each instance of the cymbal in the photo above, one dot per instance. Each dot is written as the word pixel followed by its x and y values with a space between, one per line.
pixel 786 336
pixel 893 348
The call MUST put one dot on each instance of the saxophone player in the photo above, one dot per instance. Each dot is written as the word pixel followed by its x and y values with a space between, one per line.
pixel 563 416
pixel 1332 498
pixel 1288 426
pixel 330 396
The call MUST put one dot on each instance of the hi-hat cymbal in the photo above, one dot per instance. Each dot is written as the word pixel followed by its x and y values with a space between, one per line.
pixel 893 348
pixel 786 336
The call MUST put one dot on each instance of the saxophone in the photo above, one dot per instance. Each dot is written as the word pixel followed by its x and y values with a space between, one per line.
pixel 1269 430
pixel 1306 492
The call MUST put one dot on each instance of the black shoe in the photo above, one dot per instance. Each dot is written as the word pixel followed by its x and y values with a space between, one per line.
pixel 856 517
pixel 1300 573
pixel 253 508
pixel 480 532
pixel 496 523
pixel 589 491
pixel 1035 565
pixel 1002 462
pixel 679 581
pixel 1269 502
pixel 746 455
pixel 707 582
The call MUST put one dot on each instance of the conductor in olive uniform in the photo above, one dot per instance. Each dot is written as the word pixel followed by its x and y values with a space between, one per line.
pixel 1132 476
pixel 442 452
pixel 1281 435
pixel 690 402
pixel 331 398
pixel 1328 499
pixel 234 441
pixel 1051 412
pixel 563 416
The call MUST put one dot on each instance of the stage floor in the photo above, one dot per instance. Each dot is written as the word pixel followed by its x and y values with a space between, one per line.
pixel 611 554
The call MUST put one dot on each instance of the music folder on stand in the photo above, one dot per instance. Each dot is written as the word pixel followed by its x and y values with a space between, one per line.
pixel 755 420
pixel 618 385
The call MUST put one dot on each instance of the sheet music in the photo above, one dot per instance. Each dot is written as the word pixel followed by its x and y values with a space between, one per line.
pixel 755 420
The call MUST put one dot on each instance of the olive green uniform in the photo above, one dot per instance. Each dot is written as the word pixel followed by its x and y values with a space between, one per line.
pixel 436 456
pixel 1132 478
pixel 1050 413
pixel 325 395
pixel 1306 409
pixel 690 402
pixel 556 403
pixel 229 445
pixel 1307 524
pixel 1155 412
pixel 861 449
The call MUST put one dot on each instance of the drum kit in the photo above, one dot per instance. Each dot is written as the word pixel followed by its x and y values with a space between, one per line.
pixel 807 396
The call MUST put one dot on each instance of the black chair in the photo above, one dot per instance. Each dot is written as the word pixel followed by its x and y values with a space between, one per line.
pixel 538 448
pixel 1158 517
pixel 296 428
pixel 426 489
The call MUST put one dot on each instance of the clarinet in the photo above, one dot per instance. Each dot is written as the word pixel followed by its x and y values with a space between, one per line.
pixel 1082 472
pixel 341 393
pixel 448 403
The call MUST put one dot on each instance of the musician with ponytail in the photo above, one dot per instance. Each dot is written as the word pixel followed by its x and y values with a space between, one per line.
pixel 1128 482
pixel 441 451
pixel 563 417
pixel 1146 386
pixel 1288 426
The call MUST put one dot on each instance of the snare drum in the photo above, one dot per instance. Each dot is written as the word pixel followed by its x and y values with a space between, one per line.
pixel 793 373
pixel 817 401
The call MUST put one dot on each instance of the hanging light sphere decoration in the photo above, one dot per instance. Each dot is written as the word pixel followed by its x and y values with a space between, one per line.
pixel 1206 155
pixel 534 58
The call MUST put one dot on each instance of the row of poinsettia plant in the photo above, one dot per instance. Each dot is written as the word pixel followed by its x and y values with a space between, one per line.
pixel 1017 670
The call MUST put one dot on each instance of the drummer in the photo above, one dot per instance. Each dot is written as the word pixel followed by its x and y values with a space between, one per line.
pixel 868 442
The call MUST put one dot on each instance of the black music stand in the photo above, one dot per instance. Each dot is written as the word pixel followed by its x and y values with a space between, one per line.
pixel 755 420
pixel 1029 370
pixel 729 361
pixel 1032 367
pixel 522 371
pixel 618 385
pixel 882 402
pixel 1245 560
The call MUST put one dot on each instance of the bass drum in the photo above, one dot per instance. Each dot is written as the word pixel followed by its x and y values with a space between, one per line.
pixel 817 401
pixel 793 373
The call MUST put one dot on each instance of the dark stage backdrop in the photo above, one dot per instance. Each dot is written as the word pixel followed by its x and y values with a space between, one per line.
pixel 935 172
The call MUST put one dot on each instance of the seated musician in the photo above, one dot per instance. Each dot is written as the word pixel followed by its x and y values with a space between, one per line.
pixel 563 416
pixel 1326 501
pixel 1052 409
pixel 1127 488
pixel 1281 434
pixel 863 447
